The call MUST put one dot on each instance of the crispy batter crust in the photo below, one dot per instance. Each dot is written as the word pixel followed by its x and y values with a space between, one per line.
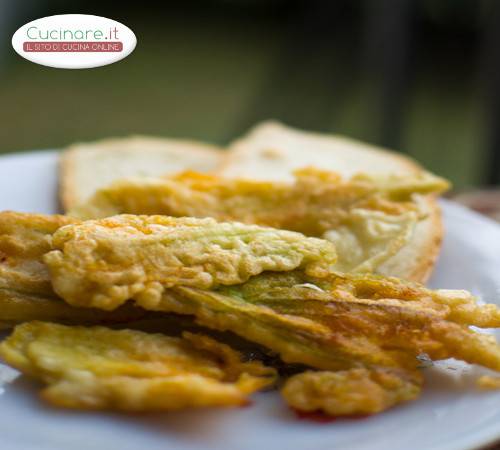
pixel 370 219
pixel 106 262
pixel 100 368
pixel 24 239
pixel 351 392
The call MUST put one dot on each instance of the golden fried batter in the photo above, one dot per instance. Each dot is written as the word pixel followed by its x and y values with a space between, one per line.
pixel 24 239
pixel 25 289
pixel 274 288
pixel 337 330
pixel 347 323
pixel 351 392
pixel 317 202
pixel 369 218
pixel 105 262
pixel 99 368
pixel 330 322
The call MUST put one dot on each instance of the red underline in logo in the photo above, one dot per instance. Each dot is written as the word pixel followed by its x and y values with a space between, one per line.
pixel 81 47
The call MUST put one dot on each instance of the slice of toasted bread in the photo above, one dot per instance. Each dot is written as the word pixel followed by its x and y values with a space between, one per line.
pixel 272 151
pixel 86 167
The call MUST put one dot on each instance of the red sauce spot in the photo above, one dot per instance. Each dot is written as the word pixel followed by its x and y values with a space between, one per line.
pixel 246 404
pixel 321 417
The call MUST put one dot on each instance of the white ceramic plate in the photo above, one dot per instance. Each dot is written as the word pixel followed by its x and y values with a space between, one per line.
pixel 451 414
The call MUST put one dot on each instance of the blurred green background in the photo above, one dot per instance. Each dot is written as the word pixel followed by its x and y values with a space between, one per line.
pixel 418 76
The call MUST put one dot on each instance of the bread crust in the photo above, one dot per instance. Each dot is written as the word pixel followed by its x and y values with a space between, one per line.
pixel 238 149
pixel 424 269
pixel 417 260
pixel 68 186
